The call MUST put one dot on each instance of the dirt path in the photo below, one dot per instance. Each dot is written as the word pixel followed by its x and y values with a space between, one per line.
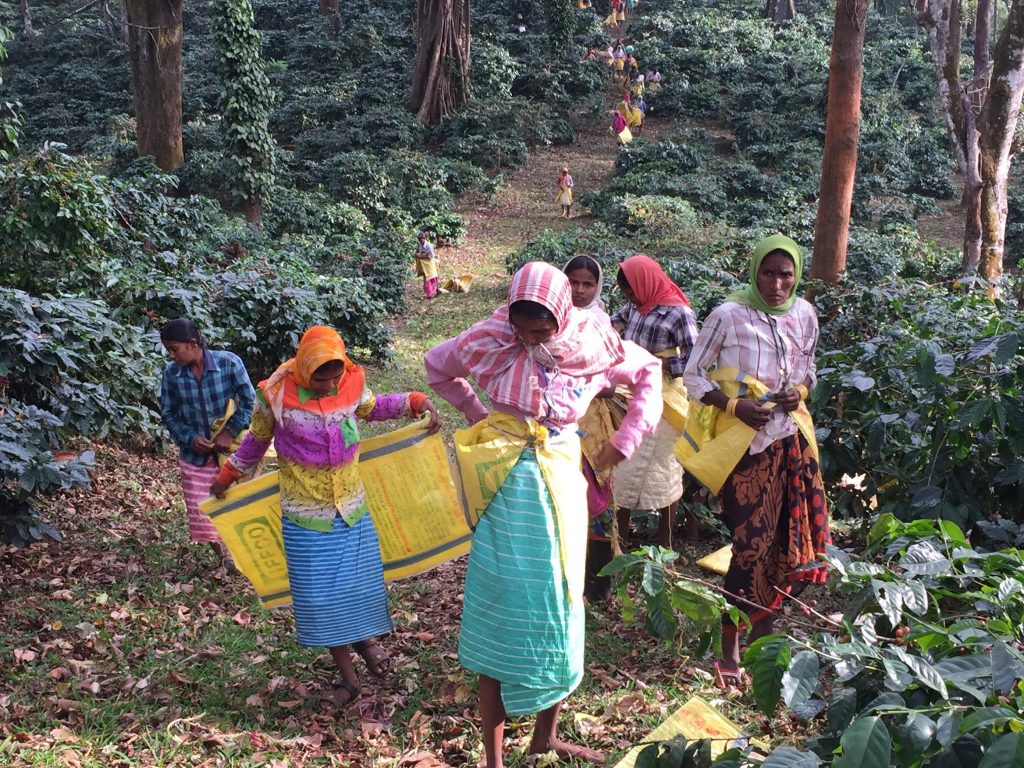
pixel 523 209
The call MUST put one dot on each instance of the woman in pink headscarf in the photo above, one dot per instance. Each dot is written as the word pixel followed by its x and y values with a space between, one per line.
pixel 540 361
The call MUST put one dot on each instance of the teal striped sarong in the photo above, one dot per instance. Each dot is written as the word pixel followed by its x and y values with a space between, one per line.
pixel 518 625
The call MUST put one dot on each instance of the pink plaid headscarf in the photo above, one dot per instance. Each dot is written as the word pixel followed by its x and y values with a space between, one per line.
pixel 499 361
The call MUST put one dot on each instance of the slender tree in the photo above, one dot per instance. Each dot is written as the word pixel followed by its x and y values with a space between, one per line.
pixel 981 118
pixel 246 99
pixel 26 18
pixel 780 10
pixel 842 132
pixel 440 81
pixel 154 49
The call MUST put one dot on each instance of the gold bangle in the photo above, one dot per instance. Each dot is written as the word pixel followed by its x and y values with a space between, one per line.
pixel 804 392
pixel 730 407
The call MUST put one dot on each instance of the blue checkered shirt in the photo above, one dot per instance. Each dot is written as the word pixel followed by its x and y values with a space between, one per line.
pixel 189 407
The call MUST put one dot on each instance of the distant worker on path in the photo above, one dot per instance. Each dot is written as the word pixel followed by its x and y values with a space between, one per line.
pixel 564 195
pixel 426 265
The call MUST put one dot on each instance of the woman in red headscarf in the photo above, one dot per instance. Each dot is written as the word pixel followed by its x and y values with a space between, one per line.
pixel 309 407
pixel 658 318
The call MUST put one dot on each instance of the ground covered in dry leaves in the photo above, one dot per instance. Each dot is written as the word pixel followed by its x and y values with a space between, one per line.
pixel 125 645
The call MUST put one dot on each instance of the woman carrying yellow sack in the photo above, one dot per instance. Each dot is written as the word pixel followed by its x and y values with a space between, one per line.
pixel 564 195
pixel 198 386
pixel 541 362
pixel 658 318
pixel 309 407
pixel 426 264
pixel 754 438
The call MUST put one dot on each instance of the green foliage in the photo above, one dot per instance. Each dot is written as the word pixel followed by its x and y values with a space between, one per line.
pixel 922 392
pixel 9 121
pixel 66 367
pixel 560 16
pixel 246 100
pixel 925 666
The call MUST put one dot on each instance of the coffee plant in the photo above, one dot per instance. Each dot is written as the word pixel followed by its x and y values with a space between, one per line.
pixel 923 669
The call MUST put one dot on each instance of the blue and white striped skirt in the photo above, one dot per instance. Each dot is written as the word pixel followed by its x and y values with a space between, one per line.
pixel 518 625
pixel 337 583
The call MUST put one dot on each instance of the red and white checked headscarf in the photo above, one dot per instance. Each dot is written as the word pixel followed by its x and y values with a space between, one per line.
pixel 499 361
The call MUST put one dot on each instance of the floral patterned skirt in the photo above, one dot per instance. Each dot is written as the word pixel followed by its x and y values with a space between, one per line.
pixel 774 506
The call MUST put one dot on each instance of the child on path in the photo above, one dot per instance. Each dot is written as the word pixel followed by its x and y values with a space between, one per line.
pixel 426 265
pixel 564 195
pixel 198 384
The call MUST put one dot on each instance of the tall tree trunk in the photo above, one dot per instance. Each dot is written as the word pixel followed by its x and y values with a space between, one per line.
pixel 330 8
pixel 942 20
pixel 973 100
pixel 842 132
pixel 154 46
pixel 440 81
pixel 254 213
pixel 996 126
pixel 26 18
pixel 780 10
pixel 124 22
pixel 971 200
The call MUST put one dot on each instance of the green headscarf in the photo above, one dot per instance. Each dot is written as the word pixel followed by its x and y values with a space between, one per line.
pixel 750 296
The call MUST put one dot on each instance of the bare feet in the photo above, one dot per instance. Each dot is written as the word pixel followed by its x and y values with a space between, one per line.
pixel 567 751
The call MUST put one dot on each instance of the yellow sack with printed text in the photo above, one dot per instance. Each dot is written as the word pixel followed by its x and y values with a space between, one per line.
pixel 485 454
pixel 713 442
pixel 412 501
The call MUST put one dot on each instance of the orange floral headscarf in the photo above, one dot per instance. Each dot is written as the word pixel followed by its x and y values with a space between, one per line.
pixel 318 345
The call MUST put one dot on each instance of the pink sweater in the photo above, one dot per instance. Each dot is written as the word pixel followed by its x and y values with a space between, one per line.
pixel 640 372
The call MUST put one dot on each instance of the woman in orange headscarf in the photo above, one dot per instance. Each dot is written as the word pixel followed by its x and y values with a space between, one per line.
pixel 309 407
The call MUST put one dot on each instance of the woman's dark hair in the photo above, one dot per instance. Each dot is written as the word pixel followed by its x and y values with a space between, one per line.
pixel 182 330
pixel 622 280
pixel 330 368
pixel 531 310
pixel 584 261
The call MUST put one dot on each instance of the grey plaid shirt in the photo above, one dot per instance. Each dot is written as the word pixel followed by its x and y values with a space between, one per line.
pixel 660 330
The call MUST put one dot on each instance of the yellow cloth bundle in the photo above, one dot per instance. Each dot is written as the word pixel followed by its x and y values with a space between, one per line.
pixel 486 452
pixel 713 442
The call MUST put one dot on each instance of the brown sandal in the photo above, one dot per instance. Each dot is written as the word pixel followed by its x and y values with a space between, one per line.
pixel 353 692
pixel 727 679
pixel 378 661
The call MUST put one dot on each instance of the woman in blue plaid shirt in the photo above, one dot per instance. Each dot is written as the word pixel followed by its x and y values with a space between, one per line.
pixel 197 386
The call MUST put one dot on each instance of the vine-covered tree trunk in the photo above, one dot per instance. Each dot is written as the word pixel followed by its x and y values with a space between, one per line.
pixel 780 10
pixel 842 132
pixel 246 99
pixel 997 124
pixel 440 81
pixel 154 47
pixel 329 8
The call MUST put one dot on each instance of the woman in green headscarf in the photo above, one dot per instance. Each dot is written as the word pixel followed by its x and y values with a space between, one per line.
pixel 752 439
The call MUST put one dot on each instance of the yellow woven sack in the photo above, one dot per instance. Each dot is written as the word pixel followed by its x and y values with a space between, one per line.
pixel 676 404
pixel 713 442
pixel 412 502
pixel 460 284
pixel 487 451
pixel 717 561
